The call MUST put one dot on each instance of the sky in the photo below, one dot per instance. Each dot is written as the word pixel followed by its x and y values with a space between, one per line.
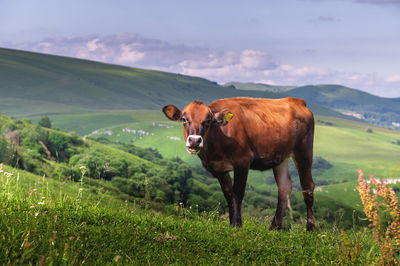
pixel 354 43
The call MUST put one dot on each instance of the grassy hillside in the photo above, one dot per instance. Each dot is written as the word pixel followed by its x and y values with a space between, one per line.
pixel 340 97
pixel 139 173
pixel 36 84
pixel 346 144
pixel 43 221
pixel 130 171
pixel 87 84
pixel 259 87
pixel 370 108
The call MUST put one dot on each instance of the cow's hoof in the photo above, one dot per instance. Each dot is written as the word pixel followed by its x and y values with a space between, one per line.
pixel 274 226
pixel 310 227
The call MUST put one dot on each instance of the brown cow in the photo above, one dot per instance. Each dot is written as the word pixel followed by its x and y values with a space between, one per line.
pixel 246 133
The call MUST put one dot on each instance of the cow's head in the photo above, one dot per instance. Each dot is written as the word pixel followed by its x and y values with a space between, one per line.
pixel 197 119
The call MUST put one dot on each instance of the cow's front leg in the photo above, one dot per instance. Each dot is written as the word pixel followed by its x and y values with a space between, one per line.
pixel 226 186
pixel 239 186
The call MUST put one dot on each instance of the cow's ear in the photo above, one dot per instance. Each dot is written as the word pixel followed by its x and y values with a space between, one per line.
pixel 172 112
pixel 222 118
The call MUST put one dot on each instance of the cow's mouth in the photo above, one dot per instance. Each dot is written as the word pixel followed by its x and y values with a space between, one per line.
pixel 193 150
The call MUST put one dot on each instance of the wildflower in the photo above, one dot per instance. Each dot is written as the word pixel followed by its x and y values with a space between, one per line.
pixel 387 237
pixel 28 244
pixel 40 203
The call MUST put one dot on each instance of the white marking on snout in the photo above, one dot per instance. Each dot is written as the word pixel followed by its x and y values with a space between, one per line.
pixel 195 137
pixel 194 149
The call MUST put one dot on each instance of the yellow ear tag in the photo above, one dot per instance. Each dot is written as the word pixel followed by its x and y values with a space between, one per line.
pixel 228 117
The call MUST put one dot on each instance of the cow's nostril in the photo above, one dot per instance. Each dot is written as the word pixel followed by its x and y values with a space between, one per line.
pixel 194 141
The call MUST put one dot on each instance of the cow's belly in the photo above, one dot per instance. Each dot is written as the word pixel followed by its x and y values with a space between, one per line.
pixel 268 163
pixel 219 166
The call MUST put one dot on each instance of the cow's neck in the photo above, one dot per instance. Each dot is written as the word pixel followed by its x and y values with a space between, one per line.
pixel 212 143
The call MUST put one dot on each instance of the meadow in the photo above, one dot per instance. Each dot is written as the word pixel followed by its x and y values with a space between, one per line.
pixel 46 221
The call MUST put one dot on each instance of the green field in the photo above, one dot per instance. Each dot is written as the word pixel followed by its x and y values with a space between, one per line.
pixel 346 144
pixel 45 221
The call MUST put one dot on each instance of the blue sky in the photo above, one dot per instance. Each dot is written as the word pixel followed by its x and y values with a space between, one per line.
pixel 289 42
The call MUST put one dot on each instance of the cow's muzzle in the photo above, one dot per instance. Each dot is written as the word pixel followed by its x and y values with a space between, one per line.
pixel 194 143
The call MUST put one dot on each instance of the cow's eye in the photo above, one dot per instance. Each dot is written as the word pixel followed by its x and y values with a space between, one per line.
pixel 207 121
pixel 184 120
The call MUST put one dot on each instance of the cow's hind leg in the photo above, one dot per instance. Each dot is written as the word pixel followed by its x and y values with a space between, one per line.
pixel 303 161
pixel 282 177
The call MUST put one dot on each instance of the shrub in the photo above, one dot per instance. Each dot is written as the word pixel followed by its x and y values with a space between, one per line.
pixel 45 122
pixel 384 199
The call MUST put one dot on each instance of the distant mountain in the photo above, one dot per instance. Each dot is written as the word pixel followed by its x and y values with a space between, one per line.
pixel 373 109
pixel 258 87
pixel 34 84
pixel 340 97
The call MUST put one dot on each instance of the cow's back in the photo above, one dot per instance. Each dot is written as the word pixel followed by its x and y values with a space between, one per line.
pixel 266 129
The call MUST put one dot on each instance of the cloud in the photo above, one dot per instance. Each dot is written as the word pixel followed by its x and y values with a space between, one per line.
pixel 129 55
pixel 247 65
pixel 119 49
pixel 393 79
pixel 253 59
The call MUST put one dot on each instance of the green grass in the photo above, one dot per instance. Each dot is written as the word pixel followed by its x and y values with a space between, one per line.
pixel 349 147
pixel 41 224
pixel 22 108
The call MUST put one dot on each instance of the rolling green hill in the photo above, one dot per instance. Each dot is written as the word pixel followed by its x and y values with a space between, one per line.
pixel 259 87
pixel 35 84
pixel 367 107
pixel 348 145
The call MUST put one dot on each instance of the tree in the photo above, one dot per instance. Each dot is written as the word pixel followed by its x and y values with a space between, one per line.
pixel 45 122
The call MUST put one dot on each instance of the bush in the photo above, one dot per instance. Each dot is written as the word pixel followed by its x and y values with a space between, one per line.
pixel 45 122
pixel 387 234
pixel 57 144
